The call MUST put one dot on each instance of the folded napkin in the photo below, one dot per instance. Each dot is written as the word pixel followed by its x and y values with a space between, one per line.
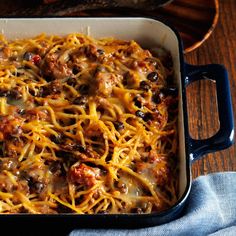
pixel 210 210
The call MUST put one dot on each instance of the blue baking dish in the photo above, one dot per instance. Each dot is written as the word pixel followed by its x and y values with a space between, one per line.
pixel 149 33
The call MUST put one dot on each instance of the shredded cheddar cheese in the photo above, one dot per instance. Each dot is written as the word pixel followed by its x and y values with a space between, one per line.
pixel 87 126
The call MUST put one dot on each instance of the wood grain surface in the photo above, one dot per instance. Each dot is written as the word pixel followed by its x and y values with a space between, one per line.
pixel 219 48
pixel 203 120
pixel 194 20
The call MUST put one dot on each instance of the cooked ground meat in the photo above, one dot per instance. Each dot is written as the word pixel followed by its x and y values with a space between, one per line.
pixel 10 126
pixel 103 83
pixel 84 175
pixel 52 68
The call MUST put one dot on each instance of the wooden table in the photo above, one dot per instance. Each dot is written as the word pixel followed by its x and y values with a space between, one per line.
pixel 219 48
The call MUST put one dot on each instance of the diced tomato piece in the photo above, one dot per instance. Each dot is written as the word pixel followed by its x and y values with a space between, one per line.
pixel 36 59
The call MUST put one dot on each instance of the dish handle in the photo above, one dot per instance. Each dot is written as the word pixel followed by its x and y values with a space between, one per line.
pixel 225 136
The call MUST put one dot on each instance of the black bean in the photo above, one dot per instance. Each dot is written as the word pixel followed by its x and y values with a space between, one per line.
pixel 100 51
pixel 15 94
pixel 80 148
pixel 148 116
pixel 75 70
pixel 156 98
pixel 81 100
pixel 144 86
pixel 137 102
pixel 38 187
pixel 119 125
pixel 53 87
pixel 84 89
pixel 28 56
pixel 43 91
pixel 71 81
pixel 55 166
pixel 17 74
pixel 153 76
pixel 57 139
pixel 140 114
pixel 171 91
pixel 35 186
pixel 4 93
pixel 32 92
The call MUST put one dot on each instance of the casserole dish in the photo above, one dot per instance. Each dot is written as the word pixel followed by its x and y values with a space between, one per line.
pixel 150 34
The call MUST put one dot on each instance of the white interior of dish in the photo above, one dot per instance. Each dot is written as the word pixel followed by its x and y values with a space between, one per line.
pixel 149 33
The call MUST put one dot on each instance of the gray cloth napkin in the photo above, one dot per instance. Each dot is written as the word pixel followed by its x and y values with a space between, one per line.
pixel 210 210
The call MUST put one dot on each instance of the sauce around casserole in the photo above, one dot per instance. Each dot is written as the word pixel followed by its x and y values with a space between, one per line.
pixel 86 126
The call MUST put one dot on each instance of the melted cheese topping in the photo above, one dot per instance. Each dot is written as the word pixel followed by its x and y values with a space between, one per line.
pixel 86 126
